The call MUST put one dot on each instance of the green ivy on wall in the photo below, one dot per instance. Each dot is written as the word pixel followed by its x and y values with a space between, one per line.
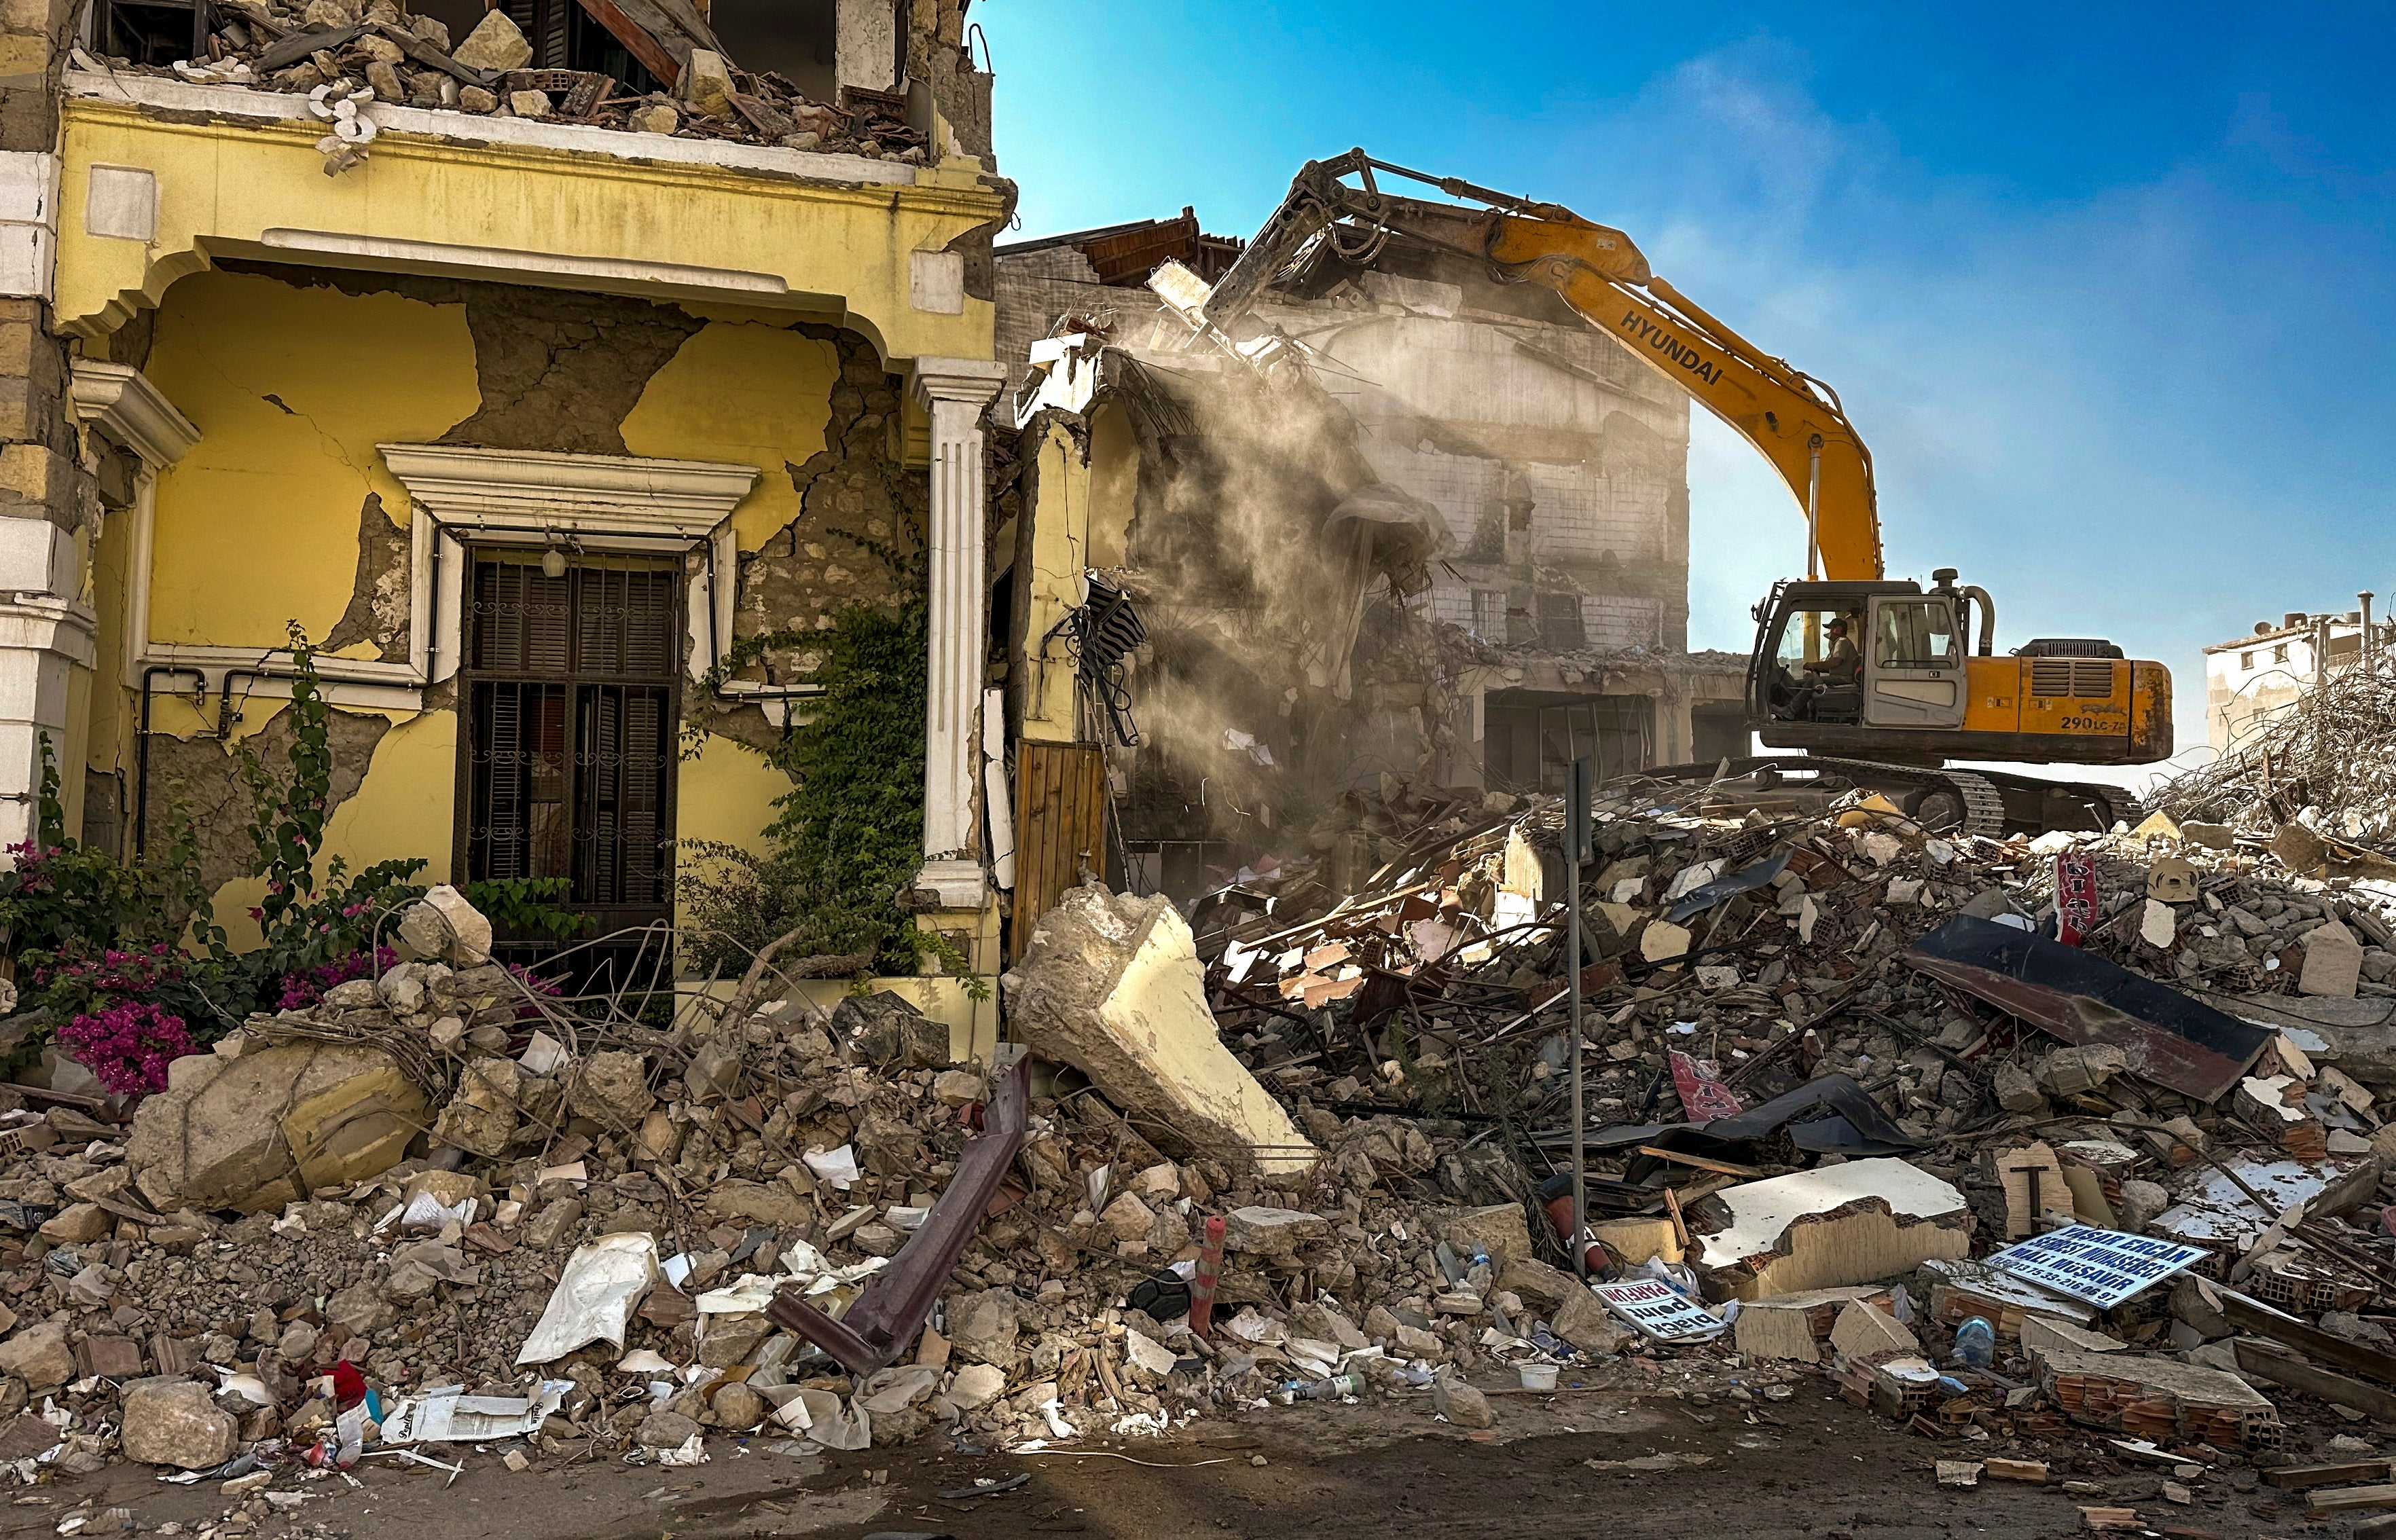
pixel 848 835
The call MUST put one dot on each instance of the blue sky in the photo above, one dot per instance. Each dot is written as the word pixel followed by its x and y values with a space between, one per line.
pixel 2110 291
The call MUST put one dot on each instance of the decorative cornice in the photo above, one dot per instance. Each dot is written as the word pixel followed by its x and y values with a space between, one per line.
pixel 970 380
pixel 460 485
pixel 121 401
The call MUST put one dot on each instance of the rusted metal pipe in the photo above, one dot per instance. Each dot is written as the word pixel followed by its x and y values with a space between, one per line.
pixel 1210 1268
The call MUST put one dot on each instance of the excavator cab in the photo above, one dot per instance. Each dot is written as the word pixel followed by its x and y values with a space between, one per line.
pixel 1834 658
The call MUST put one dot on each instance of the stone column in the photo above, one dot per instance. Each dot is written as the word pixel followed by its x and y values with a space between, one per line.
pixel 45 632
pixel 49 506
pixel 954 391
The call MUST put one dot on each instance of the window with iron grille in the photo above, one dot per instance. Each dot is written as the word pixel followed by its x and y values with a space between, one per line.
pixel 571 688
pixel 1560 622
pixel 1489 614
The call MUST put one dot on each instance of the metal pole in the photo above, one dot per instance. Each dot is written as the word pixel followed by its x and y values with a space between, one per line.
pixel 1812 506
pixel 1576 810
pixel 2319 764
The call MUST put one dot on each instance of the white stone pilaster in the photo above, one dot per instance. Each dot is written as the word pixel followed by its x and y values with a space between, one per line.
pixel 58 631
pixel 45 632
pixel 954 391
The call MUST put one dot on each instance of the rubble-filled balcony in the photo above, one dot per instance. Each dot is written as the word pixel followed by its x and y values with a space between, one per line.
pixel 160 176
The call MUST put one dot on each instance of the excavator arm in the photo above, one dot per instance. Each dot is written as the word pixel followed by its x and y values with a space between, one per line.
pixel 1794 420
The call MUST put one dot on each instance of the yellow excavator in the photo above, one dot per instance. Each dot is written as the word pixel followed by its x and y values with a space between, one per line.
pixel 1876 678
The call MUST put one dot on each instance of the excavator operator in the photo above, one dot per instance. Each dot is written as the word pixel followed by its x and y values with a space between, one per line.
pixel 1843 664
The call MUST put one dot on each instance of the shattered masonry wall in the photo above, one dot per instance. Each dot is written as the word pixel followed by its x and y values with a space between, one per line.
pixel 1559 463
pixel 284 510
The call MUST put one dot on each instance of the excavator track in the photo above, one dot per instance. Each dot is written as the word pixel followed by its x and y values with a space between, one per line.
pixel 1983 804
pixel 1949 798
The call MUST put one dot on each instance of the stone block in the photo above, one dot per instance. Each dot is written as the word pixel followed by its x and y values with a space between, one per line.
pixel 39 1356
pixel 1863 1330
pixel 2333 962
pixel 272 1123
pixel 1499 1230
pixel 1582 1321
pixel 1271 1232
pixel 1113 985
pixel 175 1422
pixel 705 84
pixel 496 44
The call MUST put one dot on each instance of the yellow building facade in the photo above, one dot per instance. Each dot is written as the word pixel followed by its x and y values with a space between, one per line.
pixel 525 425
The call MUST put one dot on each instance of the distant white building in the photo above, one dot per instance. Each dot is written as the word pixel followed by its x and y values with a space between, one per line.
pixel 2260 674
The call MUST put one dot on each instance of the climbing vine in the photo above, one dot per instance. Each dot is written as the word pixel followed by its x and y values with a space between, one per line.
pixel 848 835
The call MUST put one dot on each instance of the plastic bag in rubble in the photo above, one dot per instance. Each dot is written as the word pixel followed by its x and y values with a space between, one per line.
pixel 425 1214
pixel 604 1282
pixel 821 1415
pixel 1677 1276
pixel 836 1167
pixel 448 1416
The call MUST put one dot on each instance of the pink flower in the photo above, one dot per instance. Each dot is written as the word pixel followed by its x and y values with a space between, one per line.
pixel 129 1044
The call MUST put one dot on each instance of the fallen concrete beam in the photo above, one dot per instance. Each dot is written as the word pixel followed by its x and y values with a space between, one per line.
pixel 1854 1223
pixel 1111 985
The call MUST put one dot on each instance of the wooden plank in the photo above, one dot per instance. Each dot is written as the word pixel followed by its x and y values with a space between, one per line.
pixel 2249 1315
pixel 2297 1375
pixel 1060 793
pixel 638 41
pixel 2348 1499
pixel 299 46
pixel 2298 1478
pixel 427 55
pixel 664 35
pixel 1724 1167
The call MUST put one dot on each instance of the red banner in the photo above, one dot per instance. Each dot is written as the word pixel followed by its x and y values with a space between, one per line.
pixel 2075 895
pixel 1703 1096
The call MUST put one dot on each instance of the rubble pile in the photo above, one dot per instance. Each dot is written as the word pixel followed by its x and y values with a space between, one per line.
pixel 344 55
pixel 2028 1143
pixel 1834 1062
pixel 279 1218
pixel 2328 763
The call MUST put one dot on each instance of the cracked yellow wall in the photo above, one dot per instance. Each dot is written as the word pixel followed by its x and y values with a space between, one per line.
pixel 1080 517
pixel 1055 549
pixel 291 389
pixel 743 393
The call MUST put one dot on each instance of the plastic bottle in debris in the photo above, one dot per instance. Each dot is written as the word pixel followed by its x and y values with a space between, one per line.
pixel 1338 1388
pixel 1976 1344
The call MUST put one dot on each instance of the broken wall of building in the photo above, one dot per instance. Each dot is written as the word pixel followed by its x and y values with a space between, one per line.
pixel 1557 463
pixel 285 510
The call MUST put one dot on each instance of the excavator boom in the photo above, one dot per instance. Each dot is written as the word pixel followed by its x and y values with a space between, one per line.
pixel 1847 662
pixel 1792 419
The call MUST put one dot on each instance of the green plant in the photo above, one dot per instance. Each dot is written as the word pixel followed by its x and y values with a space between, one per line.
pixel 848 835
pixel 133 960
pixel 60 893
pixel 311 919
pixel 519 904
pixel 288 814
pixel 49 813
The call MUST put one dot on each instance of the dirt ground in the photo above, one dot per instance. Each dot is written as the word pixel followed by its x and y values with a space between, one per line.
pixel 1810 1466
